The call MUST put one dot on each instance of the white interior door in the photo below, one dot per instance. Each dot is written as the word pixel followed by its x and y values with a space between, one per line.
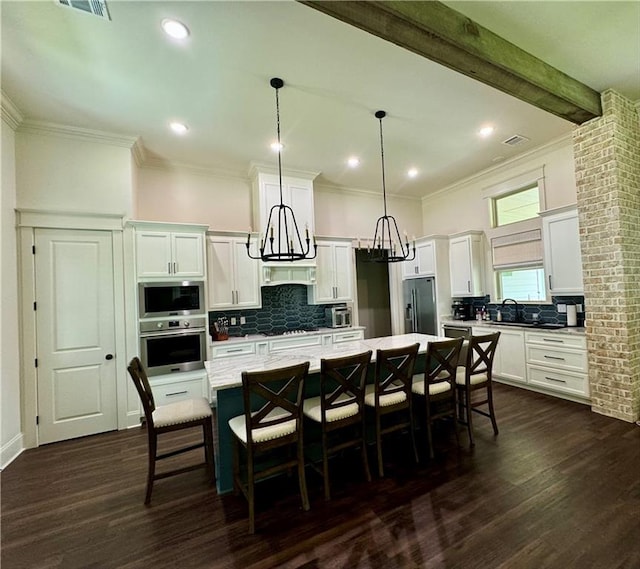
pixel 75 333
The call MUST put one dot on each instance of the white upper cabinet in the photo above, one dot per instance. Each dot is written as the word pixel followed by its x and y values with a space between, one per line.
pixel 169 254
pixel 297 193
pixel 466 264
pixel 424 265
pixel 334 273
pixel 233 278
pixel 562 258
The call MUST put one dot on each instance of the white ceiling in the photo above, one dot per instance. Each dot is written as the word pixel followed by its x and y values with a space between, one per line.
pixel 124 76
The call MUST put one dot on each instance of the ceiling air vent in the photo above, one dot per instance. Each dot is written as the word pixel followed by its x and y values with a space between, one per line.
pixel 95 7
pixel 515 140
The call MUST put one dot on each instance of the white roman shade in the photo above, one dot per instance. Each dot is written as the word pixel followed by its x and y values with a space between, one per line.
pixel 523 249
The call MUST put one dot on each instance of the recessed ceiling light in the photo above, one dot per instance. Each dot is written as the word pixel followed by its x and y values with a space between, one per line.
pixel 277 146
pixel 176 30
pixel 353 162
pixel 486 131
pixel 178 127
pixel 412 172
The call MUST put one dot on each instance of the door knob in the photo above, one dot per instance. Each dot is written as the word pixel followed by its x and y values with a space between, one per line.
pixel 108 357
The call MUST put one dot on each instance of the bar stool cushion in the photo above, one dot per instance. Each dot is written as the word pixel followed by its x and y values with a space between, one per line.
pixel 434 388
pixel 474 380
pixel 385 400
pixel 313 410
pixel 268 433
pixel 181 412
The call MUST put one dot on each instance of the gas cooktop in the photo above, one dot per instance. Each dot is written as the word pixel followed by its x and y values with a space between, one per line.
pixel 284 332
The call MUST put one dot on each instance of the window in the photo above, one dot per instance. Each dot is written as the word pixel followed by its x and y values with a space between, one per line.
pixel 525 284
pixel 516 206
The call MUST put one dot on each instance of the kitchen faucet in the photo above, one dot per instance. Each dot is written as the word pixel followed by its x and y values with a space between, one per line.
pixel 517 318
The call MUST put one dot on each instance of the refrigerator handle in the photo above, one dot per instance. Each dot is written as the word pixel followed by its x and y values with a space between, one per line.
pixel 415 311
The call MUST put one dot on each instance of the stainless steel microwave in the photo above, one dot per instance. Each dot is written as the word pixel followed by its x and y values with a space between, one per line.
pixel 167 299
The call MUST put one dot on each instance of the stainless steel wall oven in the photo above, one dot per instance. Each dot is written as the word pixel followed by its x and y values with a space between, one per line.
pixel 168 346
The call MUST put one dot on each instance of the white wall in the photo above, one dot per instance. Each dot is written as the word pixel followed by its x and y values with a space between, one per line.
pixel 461 207
pixel 340 213
pixel 11 437
pixel 56 172
pixel 192 196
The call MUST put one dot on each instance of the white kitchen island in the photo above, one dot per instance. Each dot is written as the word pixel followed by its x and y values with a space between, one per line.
pixel 225 378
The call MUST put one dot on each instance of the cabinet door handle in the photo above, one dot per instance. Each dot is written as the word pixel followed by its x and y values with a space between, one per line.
pixel 233 351
pixel 175 268
pixel 177 393
pixel 555 341
pixel 550 287
pixel 554 379
pixel 169 268
pixel 554 358
pixel 469 286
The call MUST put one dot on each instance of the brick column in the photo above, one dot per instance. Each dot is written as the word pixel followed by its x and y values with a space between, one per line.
pixel 607 168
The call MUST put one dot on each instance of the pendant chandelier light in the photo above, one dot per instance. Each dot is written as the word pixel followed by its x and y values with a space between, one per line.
pixel 281 239
pixel 387 244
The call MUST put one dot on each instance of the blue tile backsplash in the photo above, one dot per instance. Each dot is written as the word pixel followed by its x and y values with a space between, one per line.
pixel 546 312
pixel 284 307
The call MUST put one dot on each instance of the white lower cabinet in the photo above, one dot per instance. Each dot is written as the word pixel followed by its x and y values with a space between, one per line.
pixel 287 342
pixel 551 362
pixel 509 360
pixel 349 336
pixel 179 386
pixel 558 362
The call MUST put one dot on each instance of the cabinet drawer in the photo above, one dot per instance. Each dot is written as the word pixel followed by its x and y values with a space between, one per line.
pixel 570 360
pixel 348 336
pixel 295 342
pixel 233 349
pixel 172 392
pixel 558 339
pixel 573 383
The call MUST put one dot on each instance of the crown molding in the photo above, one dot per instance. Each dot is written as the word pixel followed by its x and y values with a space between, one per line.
pixel 555 144
pixel 360 192
pixel 139 152
pixel 77 133
pixel 10 113
pixel 256 168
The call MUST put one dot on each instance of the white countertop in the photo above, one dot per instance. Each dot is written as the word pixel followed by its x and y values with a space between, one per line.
pixel 225 373
pixel 480 323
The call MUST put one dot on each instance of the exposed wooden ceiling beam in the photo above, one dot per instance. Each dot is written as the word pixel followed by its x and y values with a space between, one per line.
pixel 441 34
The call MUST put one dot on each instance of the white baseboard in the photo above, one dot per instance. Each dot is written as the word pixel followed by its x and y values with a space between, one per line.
pixel 11 450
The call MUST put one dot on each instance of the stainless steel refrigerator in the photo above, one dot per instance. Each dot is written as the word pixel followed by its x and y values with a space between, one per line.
pixel 419 306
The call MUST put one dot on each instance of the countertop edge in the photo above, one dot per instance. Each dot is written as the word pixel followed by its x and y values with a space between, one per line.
pixel 574 330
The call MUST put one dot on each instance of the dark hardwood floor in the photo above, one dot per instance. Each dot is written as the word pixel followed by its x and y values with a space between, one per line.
pixel 559 487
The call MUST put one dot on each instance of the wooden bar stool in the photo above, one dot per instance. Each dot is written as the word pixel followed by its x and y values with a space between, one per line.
pixel 187 414
pixel 340 407
pixel 476 375
pixel 272 419
pixel 436 387
pixel 391 394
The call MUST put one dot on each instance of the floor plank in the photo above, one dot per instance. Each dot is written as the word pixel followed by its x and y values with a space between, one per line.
pixel 559 487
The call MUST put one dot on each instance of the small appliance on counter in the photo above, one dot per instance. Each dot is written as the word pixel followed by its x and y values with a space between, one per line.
pixel 338 317
pixel 462 310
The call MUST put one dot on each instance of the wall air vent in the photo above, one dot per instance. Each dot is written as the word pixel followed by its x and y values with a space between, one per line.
pixel 95 7
pixel 516 140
